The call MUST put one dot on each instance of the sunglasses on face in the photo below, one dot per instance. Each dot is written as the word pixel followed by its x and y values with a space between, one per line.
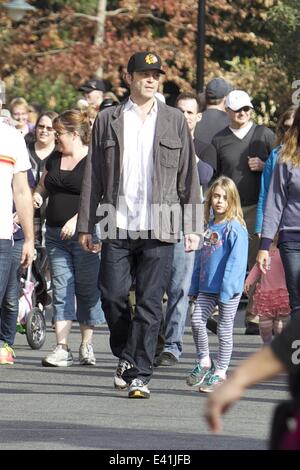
pixel 47 128
pixel 246 109
pixel 60 133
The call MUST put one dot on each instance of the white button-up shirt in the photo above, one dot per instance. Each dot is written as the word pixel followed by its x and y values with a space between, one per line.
pixel 135 195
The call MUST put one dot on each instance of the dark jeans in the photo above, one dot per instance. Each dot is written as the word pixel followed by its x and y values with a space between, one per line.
pixel 5 262
pixel 290 256
pixel 10 302
pixel 149 263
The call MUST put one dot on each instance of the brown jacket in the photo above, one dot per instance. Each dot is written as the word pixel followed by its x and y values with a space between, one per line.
pixel 175 179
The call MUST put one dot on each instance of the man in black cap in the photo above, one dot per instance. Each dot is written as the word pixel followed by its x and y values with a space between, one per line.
pixel 142 169
pixel 93 92
pixel 214 118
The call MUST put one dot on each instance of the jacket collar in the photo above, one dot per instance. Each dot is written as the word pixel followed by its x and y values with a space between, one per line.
pixel 160 129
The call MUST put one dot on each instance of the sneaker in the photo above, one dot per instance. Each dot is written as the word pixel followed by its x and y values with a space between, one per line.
pixel 210 383
pixel 86 355
pixel 7 354
pixel 60 357
pixel 119 382
pixel 198 374
pixel 166 359
pixel 137 389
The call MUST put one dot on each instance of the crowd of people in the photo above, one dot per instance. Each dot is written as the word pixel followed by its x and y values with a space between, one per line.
pixel 176 202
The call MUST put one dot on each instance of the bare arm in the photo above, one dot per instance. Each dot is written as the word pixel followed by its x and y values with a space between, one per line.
pixel 259 366
pixel 23 201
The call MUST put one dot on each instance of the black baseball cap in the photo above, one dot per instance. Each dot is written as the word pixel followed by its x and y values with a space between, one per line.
pixel 91 85
pixel 217 88
pixel 144 61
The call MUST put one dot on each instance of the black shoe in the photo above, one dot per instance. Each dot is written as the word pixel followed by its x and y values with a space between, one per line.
pixel 212 325
pixel 166 359
pixel 252 328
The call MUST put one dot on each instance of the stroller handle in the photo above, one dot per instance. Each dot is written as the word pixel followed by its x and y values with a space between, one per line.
pixel 28 275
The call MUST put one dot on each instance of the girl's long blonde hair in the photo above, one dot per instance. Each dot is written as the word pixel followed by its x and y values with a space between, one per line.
pixel 234 211
pixel 290 151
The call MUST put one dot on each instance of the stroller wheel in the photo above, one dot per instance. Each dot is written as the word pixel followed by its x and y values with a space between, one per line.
pixel 36 328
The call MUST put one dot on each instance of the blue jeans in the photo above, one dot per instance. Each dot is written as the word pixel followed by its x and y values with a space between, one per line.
pixel 194 288
pixel 290 256
pixel 10 302
pixel 5 262
pixel 178 301
pixel 74 273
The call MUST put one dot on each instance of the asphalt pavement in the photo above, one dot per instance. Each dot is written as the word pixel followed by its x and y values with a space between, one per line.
pixel 78 408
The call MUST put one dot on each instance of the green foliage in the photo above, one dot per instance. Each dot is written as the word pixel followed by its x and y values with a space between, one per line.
pixel 284 28
pixel 54 95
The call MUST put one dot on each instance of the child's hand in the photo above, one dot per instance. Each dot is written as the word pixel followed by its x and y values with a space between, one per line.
pixel 262 260
pixel 247 286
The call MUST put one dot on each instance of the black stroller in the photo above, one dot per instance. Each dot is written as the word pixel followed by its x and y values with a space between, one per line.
pixel 33 301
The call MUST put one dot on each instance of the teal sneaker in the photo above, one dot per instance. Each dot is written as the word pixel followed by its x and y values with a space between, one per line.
pixel 198 374
pixel 210 383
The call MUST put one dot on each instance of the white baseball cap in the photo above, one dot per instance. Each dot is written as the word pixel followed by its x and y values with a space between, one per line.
pixel 237 99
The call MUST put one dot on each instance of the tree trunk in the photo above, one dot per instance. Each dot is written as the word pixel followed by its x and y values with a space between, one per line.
pixel 101 14
pixel 100 30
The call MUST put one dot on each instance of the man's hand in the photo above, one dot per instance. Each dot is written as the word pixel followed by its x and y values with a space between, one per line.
pixel 27 253
pixel 191 242
pixel 256 164
pixel 262 260
pixel 86 242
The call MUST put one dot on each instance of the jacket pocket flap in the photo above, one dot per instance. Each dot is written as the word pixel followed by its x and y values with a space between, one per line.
pixel 171 144
pixel 109 143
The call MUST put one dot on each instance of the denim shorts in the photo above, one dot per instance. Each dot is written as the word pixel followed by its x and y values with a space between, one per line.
pixel 74 278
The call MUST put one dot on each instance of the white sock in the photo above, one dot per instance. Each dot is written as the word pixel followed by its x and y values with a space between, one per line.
pixel 205 361
pixel 221 373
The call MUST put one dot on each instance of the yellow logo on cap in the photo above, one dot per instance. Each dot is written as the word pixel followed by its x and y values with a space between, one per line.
pixel 151 59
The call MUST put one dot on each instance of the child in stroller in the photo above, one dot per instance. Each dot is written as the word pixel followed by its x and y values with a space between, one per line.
pixel 33 300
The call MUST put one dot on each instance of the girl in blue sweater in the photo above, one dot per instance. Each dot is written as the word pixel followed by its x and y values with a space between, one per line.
pixel 223 265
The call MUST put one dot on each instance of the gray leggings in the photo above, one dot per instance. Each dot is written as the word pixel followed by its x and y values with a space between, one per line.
pixel 204 306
